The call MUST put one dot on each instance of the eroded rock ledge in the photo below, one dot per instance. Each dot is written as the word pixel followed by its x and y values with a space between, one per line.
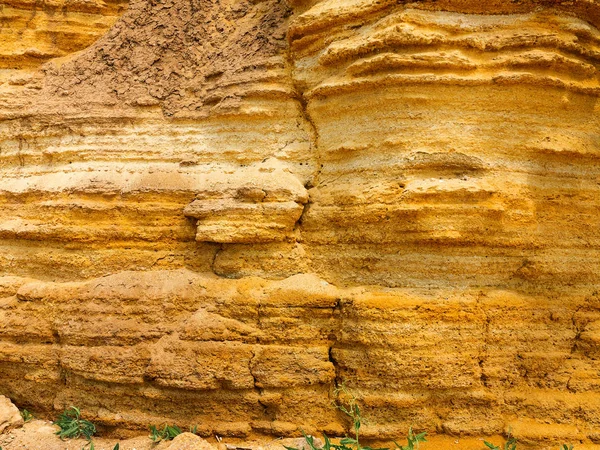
pixel 218 211
pixel 245 356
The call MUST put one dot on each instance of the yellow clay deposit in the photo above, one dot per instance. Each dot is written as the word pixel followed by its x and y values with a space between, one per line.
pixel 214 212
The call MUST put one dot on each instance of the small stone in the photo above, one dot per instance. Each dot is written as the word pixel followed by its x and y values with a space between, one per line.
pixel 299 443
pixel 10 417
pixel 189 441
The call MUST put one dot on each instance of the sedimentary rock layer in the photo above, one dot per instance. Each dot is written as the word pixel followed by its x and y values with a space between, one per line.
pixel 199 349
pixel 220 211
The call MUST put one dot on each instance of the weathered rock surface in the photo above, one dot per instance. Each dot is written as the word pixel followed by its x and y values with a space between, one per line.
pixel 189 441
pixel 221 210
pixel 10 417
pixel 254 205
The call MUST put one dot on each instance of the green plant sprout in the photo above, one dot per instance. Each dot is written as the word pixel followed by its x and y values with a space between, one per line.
pixel 352 410
pixel 26 415
pixel 510 444
pixel 167 433
pixel 414 440
pixel 73 426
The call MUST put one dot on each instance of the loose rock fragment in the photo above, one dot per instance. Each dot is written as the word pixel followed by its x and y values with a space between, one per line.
pixel 189 441
pixel 9 415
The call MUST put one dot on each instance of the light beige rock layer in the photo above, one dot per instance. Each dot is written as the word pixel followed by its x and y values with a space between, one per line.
pixel 221 210
pixel 9 415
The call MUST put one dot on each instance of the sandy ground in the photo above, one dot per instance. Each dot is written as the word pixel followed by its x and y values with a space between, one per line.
pixel 40 435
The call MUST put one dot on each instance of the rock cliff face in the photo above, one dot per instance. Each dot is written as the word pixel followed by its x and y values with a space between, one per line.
pixel 215 211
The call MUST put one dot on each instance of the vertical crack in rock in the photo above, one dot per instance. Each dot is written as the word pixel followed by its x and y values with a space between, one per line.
pixel 305 210
pixel 314 179
pixel 265 410
pixel 306 117
pixel 251 363
pixel 213 263
pixel 483 349
pixel 62 371
pixel 576 328
pixel 337 311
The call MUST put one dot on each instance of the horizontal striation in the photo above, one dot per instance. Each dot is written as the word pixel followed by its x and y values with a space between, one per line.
pixel 213 218
pixel 408 46
pixel 33 32
pixel 450 360
pixel 173 335
pixel 241 138
pixel 76 261
pixel 133 175
pixel 490 192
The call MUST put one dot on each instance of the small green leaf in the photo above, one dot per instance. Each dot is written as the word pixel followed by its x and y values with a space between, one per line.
pixel 357 424
pixel 310 441
pixel 327 445
pixel 167 433
pixel 71 425
pixel 511 443
pixel 340 447
pixel 26 415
